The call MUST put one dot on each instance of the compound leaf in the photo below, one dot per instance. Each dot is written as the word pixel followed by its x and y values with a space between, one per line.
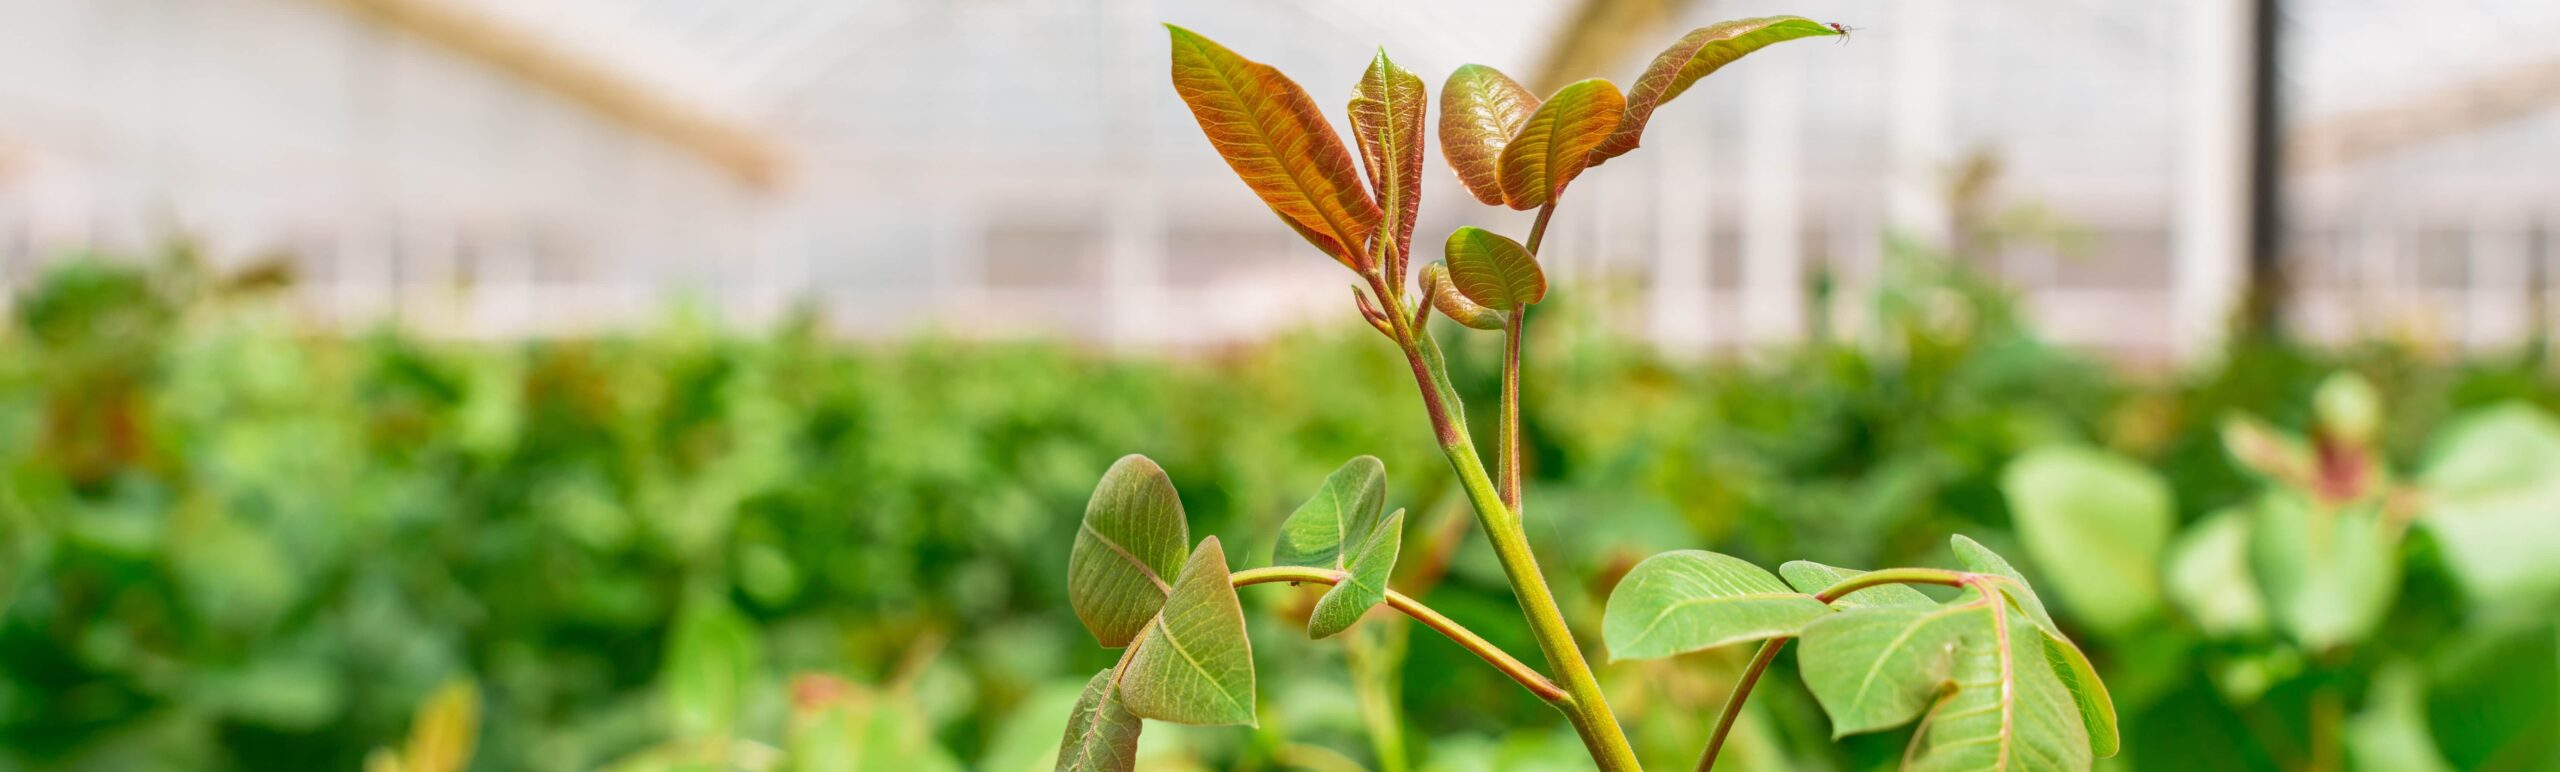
pixel 1556 144
pixel 1494 271
pixel 1194 665
pixel 1271 133
pixel 1481 109
pixel 1698 53
pixel 1684 601
pixel 1131 542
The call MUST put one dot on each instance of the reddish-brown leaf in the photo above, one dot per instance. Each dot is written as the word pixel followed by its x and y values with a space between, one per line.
pixel 1387 113
pixel 1481 109
pixel 1698 53
pixel 1556 145
pixel 1271 133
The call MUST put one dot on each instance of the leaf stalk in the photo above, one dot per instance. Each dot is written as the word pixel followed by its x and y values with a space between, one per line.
pixel 1527 676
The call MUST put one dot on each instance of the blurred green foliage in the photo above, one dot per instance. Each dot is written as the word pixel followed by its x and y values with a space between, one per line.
pixel 228 541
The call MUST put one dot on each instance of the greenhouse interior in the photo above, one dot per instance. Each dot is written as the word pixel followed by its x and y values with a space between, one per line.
pixel 442 385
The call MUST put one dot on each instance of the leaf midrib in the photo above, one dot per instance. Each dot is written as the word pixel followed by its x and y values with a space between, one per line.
pixel 1270 146
pixel 1665 613
pixel 1143 569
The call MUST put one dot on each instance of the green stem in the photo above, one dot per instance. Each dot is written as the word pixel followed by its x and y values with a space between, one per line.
pixel 1465 638
pixel 1507 438
pixel 1769 650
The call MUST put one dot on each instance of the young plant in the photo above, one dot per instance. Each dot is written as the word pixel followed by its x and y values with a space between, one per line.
pixel 1995 684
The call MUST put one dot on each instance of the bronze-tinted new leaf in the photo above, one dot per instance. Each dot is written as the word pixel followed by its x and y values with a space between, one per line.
pixel 1387 113
pixel 1445 296
pixel 1556 145
pixel 1272 135
pixel 1698 53
pixel 1480 111
pixel 1493 270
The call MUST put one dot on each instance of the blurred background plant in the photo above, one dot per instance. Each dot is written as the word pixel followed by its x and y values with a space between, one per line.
pixel 232 542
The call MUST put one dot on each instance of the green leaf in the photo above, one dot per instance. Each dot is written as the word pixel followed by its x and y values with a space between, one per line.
pixel 1345 509
pixel 1454 304
pixel 2088 693
pixel 1387 117
pixel 1812 578
pixel 2208 576
pixel 1879 667
pixel 1102 735
pixel 1339 529
pixel 1194 665
pixel 1133 537
pixel 1366 564
pixel 2347 409
pixel 2009 710
pixel 1493 270
pixel 2493 501
pixel 1271 133
pixel 2095 522
pixel 712 661
pixel 2391 731
pixel 1981 560
pixel 1481 109
pixel 1698 54
pixel 1679 602
pixel 2329 574
pixel 1556 144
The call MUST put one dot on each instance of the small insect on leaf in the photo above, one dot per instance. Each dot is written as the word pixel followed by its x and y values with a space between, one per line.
pixel 1271 133
pixel 1493 270
pixel 1481 109
pixel 1556 145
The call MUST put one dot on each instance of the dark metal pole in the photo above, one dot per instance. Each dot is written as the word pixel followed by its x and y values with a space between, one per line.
pixel 2264 301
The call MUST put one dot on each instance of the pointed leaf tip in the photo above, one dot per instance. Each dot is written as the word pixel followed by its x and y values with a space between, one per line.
pixel 1194 664
pixel 1693 57
pixel 1388 110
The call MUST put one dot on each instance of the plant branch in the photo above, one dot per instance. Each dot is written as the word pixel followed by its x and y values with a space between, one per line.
pixel 1528 677
pixel 1769 650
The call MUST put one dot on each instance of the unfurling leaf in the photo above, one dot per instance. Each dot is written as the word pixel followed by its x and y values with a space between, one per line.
pixel 2096 524
pixel 1271 133
pixel 1689 600
pixel 1493 270
pixel 1339 529
pixel 1132 541
pixel 1556 144
pixel 1346 507
pixel 1812 578
pixel 1365 566
pixel 1444 295
pixel 1387 117
pixel 1194 665
pixel 1481 109
pixel 1698 53
pixel 1102 735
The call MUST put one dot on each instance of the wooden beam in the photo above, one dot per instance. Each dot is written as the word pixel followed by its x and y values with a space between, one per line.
pixel 731 146
pixel 2463 108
